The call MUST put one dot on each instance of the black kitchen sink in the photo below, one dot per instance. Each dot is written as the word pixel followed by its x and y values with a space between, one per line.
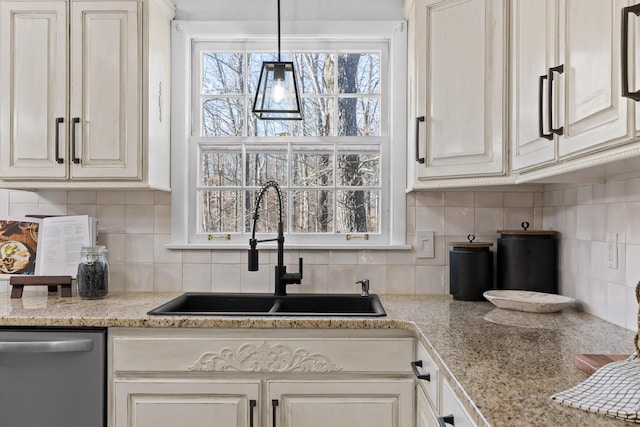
pixel 241 304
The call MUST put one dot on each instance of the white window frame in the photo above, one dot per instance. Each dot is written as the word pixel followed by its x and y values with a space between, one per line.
pixel 183 152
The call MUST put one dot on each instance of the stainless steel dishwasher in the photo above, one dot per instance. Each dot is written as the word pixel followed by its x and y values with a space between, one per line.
pixel 52 377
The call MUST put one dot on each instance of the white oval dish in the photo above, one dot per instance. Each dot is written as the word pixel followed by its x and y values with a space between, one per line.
pixel 533 302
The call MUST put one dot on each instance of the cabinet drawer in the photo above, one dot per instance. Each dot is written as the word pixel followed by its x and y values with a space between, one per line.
pixel 263 351
pixel 429 367
pixel 452 406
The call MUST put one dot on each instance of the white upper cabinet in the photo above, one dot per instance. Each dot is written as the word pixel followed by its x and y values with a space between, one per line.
pixel 459 86
pixel 594 111
pixel 33 89
pixel 567 108
pixel 533 53
pixel 84 94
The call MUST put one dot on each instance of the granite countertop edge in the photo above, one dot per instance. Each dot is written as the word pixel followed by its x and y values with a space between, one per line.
pixel 479 358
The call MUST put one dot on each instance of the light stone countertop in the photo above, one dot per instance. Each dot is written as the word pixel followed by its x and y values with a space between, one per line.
pixel 504 370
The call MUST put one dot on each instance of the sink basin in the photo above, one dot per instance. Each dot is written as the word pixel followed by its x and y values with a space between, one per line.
pixel 240 304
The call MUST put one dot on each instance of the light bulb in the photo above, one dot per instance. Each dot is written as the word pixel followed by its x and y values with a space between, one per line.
pixel 278 91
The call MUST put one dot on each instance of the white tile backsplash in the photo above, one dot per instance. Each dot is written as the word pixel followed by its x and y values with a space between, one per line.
pixel 135 226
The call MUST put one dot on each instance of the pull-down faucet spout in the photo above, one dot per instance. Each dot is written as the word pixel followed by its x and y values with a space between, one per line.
pixel 282 278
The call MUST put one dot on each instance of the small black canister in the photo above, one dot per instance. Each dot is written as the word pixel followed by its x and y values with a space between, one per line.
pixel 527 260
pixel 470 269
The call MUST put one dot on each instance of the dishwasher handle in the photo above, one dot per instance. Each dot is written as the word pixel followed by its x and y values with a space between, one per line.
pixel 23 347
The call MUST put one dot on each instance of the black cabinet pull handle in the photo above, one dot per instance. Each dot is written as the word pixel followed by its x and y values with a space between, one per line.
pixel 624 52
pixel 559 69
pixel 414 366
pixel 447 419
pixel 59 159
pixel 274 405
pixel 541 133
pixel 252 405
pixel 74 122
pixel 418 121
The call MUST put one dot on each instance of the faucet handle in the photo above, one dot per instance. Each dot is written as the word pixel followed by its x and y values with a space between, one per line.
pixel 364 283
pixel 300 267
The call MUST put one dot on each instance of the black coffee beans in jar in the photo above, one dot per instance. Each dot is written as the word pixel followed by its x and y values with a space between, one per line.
pixel 93 273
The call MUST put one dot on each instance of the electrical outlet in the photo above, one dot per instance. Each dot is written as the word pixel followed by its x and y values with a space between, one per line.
pixel 612 250
pixel 425 243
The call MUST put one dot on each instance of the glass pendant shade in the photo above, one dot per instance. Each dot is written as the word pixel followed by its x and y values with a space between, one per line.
pixel 277 96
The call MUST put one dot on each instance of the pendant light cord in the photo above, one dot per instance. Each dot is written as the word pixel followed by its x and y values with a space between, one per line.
pixel 279 31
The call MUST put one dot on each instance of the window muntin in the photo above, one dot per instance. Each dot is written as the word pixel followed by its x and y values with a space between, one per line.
pixel 329 166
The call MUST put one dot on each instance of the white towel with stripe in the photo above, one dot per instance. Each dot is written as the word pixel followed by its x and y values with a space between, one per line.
pixel 613 390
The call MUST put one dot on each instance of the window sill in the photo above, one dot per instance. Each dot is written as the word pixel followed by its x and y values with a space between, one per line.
pixel 268 246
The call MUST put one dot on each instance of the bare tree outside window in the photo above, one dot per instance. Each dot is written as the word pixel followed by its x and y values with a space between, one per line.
pixel 328 165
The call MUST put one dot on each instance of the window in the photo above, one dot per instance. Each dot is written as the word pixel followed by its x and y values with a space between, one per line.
pixel 334 166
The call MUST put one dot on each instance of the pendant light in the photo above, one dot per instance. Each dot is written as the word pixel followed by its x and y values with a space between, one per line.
pixel 277 95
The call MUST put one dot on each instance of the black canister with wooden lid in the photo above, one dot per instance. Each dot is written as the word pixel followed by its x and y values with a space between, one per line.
pixel 470 269
pixel 528 260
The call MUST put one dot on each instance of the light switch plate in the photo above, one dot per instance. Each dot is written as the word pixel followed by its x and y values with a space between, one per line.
pixel 425 244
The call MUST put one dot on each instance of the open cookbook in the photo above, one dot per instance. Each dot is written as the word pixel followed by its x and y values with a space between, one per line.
pixel 48 246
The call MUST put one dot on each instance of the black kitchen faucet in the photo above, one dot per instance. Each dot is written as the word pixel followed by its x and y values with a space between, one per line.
pixel 282 278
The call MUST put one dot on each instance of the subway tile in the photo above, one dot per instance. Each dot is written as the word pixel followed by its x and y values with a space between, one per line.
pixel 633 190
pixel 631 309
pixel 459 221
pixel 430 280
pixel 343 257
pixel 583 221
pixel 162 219
pixel 401 280
pixel 139 248
pixel 315 279
pixel 79 209
pixel 17 196
pixel 488 220
pixel 111 197
pixel 162 255
pixel 225 277
pixel 315 257
pixel 82 197
pixel 568 259
pixel 567 285
pixel 616 304
pixel 116 277
pixel 402 257
pixel 372 257
pixel 459 198
pixel 138 277
pixel 196 256
pixel 49 209
pixel 196 278
pixel 430 218
pixel 410 224
pixel 429 198
pixel 256 281
pixel 139 218
pixel 139 197
pixel 55 197
pixel 341 278
pixel 115 244
pixel 489 199
pixel 632 270
pixel 570 196
pixel 585 194
pixel 162 197
pixel 584 258
pixel 377 276
pixel 111 218
pixel 616 220
pixel 518 200
pixel 599 222
pixel 632 230
pixel 167 277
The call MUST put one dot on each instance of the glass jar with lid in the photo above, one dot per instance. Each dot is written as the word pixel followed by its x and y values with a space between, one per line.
pixel 93 272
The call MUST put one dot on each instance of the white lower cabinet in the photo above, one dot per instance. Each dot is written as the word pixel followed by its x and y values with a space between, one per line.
pixel 366 403
pixel 194 403
pixel 436 403
pixel 266 378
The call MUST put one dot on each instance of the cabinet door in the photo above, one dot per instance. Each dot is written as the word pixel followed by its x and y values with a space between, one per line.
pixel 463 84
pixel 533 53
pixel 594 111
pixel 425 414
pixel 33 89
pixel 166 403
pixel 340 403
pixel 451 407
pixel 105 108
